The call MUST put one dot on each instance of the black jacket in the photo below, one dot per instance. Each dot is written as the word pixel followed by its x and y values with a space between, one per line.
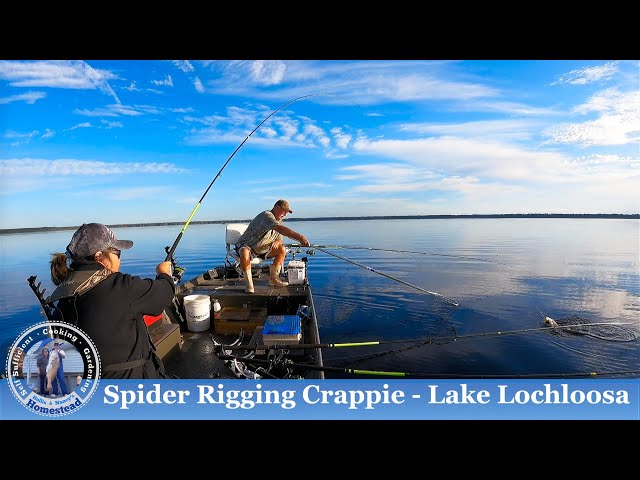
pixel 111 313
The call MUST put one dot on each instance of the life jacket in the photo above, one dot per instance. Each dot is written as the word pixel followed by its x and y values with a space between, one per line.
pixel 79 282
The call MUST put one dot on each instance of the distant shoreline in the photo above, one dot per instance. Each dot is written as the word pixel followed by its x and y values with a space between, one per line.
pixel 5 231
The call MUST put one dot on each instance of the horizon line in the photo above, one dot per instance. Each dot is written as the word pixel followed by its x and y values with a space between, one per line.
pixel 319 219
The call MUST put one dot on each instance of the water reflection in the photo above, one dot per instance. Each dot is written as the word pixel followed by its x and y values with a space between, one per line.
pixel 506 274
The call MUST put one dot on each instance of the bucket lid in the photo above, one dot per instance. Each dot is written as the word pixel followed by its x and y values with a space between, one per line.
pixel 197 298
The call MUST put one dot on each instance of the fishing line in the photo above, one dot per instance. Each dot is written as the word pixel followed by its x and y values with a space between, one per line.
pixel 428 340
pixel 445 340
pixel 435 294
pixel 546 319
pixel 569 325
pixel 463 257
pixel 170 251
pixel 575 350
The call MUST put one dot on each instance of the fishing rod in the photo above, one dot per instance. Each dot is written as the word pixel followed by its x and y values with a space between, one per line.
pixel 443 340
pixel 463 257
pixel 425 341
pixel 342 247
pixel 171 250
pixel 435 294
pixel 286 363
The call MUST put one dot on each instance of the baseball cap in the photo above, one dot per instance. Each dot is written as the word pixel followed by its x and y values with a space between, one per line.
pixel 94 237
pixel 284 205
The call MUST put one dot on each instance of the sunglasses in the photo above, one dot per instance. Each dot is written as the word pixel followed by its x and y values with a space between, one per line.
pixel 115 251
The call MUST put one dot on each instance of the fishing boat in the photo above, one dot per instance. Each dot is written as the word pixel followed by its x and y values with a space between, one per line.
pixel 216 330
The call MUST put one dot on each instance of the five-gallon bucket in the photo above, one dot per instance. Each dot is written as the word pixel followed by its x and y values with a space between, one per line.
pixel 198 310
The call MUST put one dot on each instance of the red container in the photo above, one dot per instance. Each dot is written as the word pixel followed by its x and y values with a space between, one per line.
pixel 150 319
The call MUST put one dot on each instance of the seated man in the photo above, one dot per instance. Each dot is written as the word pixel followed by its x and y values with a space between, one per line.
pixel 263 238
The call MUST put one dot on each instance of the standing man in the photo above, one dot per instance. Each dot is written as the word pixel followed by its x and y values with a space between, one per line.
pixel 263 238
pixel 42 361
pixel 60 374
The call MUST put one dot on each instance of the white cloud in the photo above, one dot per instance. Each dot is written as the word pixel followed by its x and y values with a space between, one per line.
pixel 498 161
pixel 618 123
pixel 184 65
pixel 511 108
pixel 81 125
pixel 281 131
pixel 341 139
pixel 13 134
pixel 613 101
pixel 28 97
pixel 29 167
pixel 365 83
pixel 181 110
pixel 267 72
pixel 97 112
pixel 17 138
pixel 495 129
pixel 197 83
pixel 288 126
pixel 607 130
pixel 587 75
pixel 115 110
pixel 109 125
pixel 167 82
pixel 69 74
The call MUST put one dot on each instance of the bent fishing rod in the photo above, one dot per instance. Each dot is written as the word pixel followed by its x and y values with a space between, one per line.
pixel 171 250
pixel 435 294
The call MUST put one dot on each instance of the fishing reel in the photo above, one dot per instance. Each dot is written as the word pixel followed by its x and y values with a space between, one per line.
pixel 178 271
pixel 295 249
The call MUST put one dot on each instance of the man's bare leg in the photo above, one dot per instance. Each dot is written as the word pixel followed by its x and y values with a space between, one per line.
pixel 245 265
pixel 278 252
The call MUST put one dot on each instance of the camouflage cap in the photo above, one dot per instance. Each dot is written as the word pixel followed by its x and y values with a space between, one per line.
pixel 94 237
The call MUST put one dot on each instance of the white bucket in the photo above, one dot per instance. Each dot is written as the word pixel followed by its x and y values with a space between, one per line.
pixel 198 310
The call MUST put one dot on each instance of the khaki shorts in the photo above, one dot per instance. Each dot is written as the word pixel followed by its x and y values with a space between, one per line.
pixel 252 253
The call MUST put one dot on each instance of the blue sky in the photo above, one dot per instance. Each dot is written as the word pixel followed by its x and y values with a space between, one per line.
pixel 137 141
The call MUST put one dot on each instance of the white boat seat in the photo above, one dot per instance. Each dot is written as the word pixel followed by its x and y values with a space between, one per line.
pixel 232 234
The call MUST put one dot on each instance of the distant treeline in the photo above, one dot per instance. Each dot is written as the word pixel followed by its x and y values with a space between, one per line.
pixel 322 219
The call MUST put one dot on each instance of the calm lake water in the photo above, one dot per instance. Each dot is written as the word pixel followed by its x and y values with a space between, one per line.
pixel 505 274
